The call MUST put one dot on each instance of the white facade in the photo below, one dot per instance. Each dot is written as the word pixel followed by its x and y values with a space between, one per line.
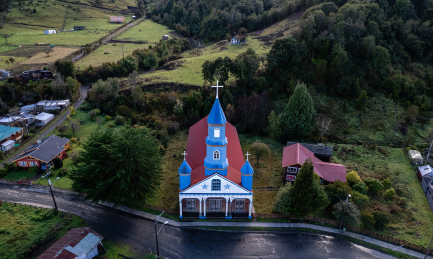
pixel 46 32
pixel 7 145
pixel 43 118
pixel 52 105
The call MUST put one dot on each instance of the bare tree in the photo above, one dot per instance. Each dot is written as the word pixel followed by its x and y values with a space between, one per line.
pixel 75 126
pixel 48 50
pixel 62 129
pixel 323 124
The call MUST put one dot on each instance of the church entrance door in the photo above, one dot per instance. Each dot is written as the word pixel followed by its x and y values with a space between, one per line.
pixel 215 205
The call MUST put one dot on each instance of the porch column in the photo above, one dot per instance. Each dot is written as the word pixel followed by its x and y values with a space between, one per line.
pixel 200 207
pixel 250 207
pixel 204 208
pixel 180 208
pixel 227 208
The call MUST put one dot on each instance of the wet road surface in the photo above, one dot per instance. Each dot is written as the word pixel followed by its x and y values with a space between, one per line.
pixel 175 242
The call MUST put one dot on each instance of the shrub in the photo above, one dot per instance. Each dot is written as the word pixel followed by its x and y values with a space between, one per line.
pixel 33 170
pixel 97 112
pixel 11 167
pixel 386 183
pixel 73 111
pixel 63 172
pixel 374 185
pixel 360 198
pixel 92 114
pixel 282 201
pixel 381 219
pixel 110 125
pixel 338 191
pixel 2 155
pixel 107 118
pixel 119 120
pixel 3 172
pixel 58 163
pixel 367 220
pixel 389 193
pixel 74 140
pixel 74 157
pixel 353 178
pixel 360 187
pixel 351 212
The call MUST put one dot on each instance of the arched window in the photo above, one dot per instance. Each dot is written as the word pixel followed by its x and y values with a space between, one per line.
pixel 216 133
pixel 216 155
pixel 216 185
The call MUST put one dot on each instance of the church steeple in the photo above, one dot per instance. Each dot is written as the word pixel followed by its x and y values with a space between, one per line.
pixel 216 141
pixel 184 173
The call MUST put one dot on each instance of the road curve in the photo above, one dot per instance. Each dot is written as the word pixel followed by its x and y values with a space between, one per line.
pixel 191 243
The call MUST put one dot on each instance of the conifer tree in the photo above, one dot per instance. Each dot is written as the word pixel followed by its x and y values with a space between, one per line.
pixel 300 115
pixel 308 195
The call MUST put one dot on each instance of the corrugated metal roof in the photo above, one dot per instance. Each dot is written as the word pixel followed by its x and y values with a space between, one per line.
pixel 44 116
pixel 426 169
pixel 9 119
pixel 7 143
pixel 85 245
pixel 6 131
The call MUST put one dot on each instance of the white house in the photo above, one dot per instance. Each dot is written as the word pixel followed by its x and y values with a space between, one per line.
pixel 235 41
pixel 47 105
pixel 43 118
pixel 8 121
pixel 46 32
pixel 7 145
pixel 28 108
pixel 4 74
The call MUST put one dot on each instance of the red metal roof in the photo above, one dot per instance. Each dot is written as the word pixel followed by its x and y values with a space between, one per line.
pixel 72 238
pixel 298 154
pixel 196 150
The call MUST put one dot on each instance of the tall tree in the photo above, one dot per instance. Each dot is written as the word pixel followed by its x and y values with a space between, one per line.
pixel 299 116
pixel 65 67
pixel 308 195
pixel 120 167
pixel 259 150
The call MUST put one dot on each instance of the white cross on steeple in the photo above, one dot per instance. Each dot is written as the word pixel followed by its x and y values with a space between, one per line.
pixel 217 86
pixel 184 154
pixel 247 154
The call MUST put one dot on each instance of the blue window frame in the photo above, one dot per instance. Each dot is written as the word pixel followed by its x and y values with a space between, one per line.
pixel 216 185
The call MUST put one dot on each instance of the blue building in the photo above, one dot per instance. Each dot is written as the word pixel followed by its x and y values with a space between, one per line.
pixel 215 180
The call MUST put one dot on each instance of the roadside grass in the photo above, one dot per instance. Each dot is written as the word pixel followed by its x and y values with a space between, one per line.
pixel 114 54
pixel 412 222
pixel 21 226
pixel 53 56
pixel 147 30
pixel 264 200
pixel 16 176
pixel 113 249
pixel 190 69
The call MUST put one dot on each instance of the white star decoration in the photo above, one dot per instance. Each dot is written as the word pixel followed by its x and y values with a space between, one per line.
pixel 204 186
pixel 227 186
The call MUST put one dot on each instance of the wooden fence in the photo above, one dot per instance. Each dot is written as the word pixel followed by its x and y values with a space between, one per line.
pixel 48 236
pixel 365 232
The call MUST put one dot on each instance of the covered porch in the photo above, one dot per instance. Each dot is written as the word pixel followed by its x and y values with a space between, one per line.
pixel 228 207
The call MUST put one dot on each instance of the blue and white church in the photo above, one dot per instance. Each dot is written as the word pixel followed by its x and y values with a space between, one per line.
pixel 215 181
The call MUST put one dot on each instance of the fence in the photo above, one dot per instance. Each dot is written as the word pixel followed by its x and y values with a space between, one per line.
pixel 322 221
pixel 48 236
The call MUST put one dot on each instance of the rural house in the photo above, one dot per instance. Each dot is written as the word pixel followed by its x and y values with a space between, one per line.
pixel 78 243
pixel 117 19
pixel 42 153
pixel 295 155
pixel 215 181
pixel 424 171
pixel 28 108
pixel 427 186
pixel 414 156
pixel 320 151
pixel 4 74
pixel 10 121
pixel 9 134
pixel 79 28
pixel 47 105
pixel 43 118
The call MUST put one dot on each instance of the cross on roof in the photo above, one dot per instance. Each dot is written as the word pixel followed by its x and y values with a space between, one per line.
pixel 247 154
pixel 217 86
pixel 184 154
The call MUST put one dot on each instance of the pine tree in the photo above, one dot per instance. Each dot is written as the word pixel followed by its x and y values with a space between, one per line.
pixel 308 195
pixel 300 115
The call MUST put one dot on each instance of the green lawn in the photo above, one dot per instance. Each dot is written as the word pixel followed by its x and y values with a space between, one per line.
pixel 111 52
pixel 21 226
pixel 21 175
pixel 145 31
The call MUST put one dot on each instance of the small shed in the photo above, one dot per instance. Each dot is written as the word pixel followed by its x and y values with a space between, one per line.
pixel 43 118
pixel 414 156
pixel 28 108
pixel 79 28
pixel 117 19
pixel 165 37
pixel 7 145
pixel 79 243
pixel 46 32
pixel 424 171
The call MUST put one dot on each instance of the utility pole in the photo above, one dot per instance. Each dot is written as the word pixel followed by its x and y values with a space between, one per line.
pixel 51 185
pixel 344 209
pixel 157 233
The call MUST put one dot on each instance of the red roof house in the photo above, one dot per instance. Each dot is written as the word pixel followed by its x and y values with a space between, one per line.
pixel 77 243
pixel 294 156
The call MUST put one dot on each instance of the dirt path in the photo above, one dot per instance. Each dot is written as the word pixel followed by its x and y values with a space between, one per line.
pixel 120 31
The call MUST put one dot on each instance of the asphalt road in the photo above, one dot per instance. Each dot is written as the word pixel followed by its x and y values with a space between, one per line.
pixel 191 243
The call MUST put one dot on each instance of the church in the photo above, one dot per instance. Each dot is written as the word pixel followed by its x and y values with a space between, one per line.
pixel 215 180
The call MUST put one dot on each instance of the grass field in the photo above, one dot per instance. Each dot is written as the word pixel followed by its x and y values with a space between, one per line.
pixel 114 53
pixel 145 31
pixel 21 175
pixel 21 226
pixel 55 54
pixel 3 59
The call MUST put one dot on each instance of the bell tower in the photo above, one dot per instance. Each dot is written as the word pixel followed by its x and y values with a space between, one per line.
pixel 216 142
